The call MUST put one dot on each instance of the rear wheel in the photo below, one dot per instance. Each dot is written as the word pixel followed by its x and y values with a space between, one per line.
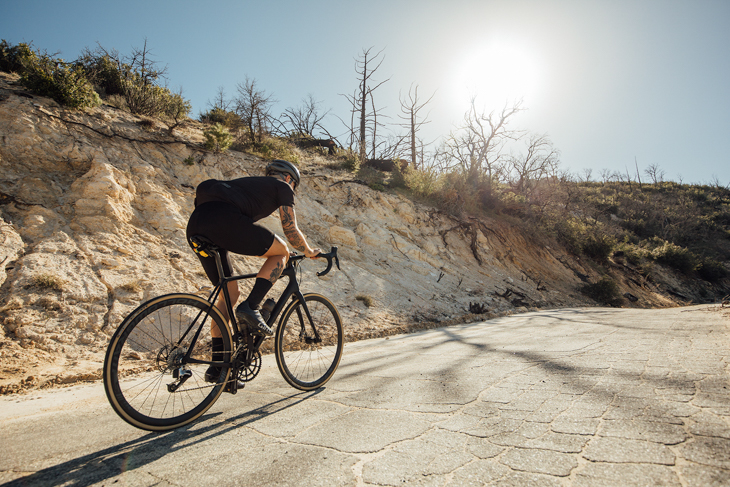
pixel 308 359
pixel 147 378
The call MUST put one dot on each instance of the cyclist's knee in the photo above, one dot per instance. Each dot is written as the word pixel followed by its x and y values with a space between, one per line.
pixel 278 248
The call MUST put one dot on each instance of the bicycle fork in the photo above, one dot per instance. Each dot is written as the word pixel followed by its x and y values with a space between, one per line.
pixel 303 331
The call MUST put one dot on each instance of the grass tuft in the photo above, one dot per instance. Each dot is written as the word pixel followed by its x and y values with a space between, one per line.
pixel 48 281
pixel 366 300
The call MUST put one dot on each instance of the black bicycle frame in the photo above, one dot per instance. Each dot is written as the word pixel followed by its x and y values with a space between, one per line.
pixel 253 342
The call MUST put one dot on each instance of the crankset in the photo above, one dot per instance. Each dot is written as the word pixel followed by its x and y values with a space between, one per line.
pixel 246 372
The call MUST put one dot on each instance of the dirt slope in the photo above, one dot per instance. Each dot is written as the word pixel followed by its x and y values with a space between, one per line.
pixel 93 208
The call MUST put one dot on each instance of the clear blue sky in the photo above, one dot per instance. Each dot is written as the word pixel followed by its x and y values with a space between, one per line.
pixel 611 82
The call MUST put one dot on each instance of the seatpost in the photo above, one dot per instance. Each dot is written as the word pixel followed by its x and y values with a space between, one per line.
pixel 219 265
pixel 223 285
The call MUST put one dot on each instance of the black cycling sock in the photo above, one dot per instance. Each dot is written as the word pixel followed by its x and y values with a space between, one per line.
pixel 258 292
pixel 217 346
pixel 217 355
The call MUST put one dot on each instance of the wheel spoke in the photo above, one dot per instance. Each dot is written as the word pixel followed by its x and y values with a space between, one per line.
pixel 147 350
pixel 305 362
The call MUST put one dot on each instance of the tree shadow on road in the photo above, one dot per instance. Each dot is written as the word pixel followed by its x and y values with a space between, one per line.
pixel 107 463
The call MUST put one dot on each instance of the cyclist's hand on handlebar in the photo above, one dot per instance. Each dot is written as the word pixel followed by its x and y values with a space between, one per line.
pixel 313 253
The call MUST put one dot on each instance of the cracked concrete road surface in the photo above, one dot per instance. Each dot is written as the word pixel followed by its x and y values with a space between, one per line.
pixel 557 398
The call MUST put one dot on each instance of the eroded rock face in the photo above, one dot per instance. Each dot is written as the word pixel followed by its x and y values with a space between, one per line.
pixel 93 212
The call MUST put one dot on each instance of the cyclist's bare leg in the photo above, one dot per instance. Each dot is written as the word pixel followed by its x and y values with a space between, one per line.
pixel 276 259
pixel 221 305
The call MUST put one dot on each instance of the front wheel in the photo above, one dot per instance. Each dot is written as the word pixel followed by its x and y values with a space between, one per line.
pixel 308 353
pixel 150 375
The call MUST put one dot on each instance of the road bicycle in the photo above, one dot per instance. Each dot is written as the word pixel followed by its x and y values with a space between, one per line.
pixel 155 365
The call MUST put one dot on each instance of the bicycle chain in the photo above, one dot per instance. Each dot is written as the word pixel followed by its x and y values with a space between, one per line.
pixel 242 372
pixel 206 387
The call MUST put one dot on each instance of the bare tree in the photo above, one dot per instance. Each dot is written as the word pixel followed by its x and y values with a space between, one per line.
pixel 571 194
pixel 410 109
pixel 220 101
pixel 220 110
pixel 254 107
pixel 605 175
pixel 365 66
pixel 139 90
pixel 476 148
pixel 587 174
pixel 715 182
pixel 655 173
pixel 305 119
pixel 540 161
pixel 391 147
pixel 379 144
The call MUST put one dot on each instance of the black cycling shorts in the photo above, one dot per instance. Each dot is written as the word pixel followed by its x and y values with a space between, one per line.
pixel 224 225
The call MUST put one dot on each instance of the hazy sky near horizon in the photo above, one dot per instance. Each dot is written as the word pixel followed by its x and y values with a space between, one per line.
pixel 613 83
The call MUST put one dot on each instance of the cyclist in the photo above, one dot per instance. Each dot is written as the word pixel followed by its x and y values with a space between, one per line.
pixel 226 213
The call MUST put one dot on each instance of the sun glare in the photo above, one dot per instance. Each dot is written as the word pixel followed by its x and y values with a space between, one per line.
pixel 496 73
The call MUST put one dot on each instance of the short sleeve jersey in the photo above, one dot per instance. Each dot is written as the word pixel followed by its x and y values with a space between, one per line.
pixel 255 197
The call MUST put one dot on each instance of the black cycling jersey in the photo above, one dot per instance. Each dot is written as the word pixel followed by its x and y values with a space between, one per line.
pixel 255 197
pixel 225 212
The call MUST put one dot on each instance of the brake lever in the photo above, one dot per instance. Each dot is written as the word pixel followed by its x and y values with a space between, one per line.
pixel 330 257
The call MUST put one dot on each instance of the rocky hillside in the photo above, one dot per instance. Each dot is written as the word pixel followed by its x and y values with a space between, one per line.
pixel 93 209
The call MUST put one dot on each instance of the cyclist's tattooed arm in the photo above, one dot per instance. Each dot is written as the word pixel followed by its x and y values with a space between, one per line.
pixel 292 232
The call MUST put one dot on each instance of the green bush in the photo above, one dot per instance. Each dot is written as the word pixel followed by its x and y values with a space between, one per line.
pixel 217 138
pixel 421 182
pixel 103 73
pixel 675 256
pixel 711 270
pixel 270 148
pixel 135 80
pixel 175 108
pixel 350 161
pixel 65 83
pixel 145 99
pixel 572 233
pixel 634 254
pixel 398 176
pixel 217 115
pixel 13 57
pixel 604 291
pixel 598 246
pixel 591 240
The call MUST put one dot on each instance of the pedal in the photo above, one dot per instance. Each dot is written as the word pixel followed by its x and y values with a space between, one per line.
pixel 232 387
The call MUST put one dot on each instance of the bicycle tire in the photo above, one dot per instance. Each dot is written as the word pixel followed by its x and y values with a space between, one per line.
pixel 141 360
pixel 303 364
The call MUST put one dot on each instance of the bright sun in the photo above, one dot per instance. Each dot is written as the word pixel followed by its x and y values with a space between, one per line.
pixel 496 74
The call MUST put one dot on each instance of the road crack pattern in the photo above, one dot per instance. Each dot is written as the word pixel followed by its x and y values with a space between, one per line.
pixel 553 398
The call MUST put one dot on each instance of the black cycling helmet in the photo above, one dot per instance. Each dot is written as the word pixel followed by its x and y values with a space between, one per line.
pixel 285 167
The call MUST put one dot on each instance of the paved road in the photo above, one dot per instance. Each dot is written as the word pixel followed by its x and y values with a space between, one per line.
pixel 556 398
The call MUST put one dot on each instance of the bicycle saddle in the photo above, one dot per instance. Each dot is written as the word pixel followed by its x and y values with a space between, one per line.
pixel 202 246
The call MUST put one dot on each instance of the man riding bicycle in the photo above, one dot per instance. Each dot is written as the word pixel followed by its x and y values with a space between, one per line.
pixel 226 213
